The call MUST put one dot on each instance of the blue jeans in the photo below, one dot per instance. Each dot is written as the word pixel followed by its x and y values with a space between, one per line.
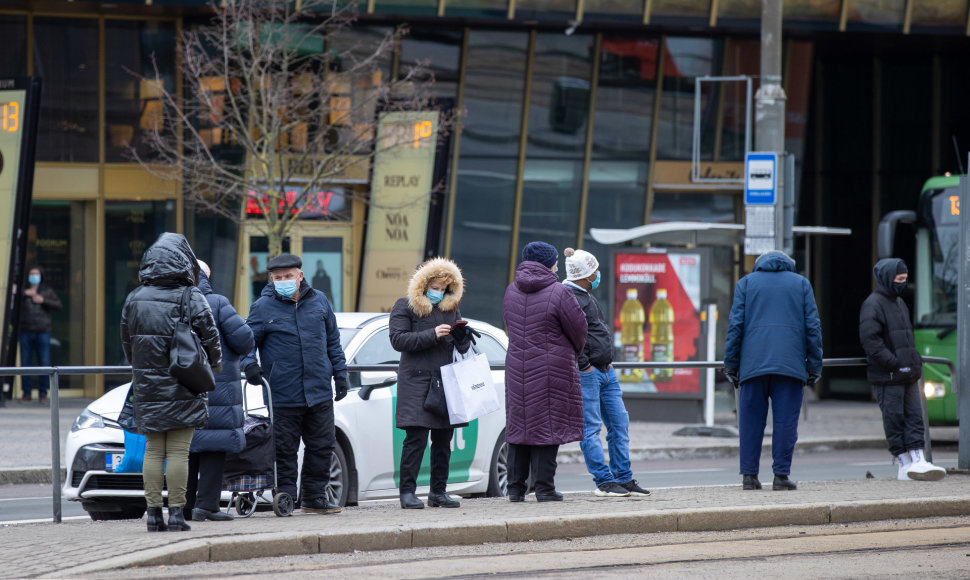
pixel 603 405
pixel 785 394
pixel 35 345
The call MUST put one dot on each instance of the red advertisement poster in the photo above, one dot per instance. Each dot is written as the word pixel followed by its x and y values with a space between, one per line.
pixel 657 318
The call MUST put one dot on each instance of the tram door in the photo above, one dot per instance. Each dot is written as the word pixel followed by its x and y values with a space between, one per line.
pixel 327 263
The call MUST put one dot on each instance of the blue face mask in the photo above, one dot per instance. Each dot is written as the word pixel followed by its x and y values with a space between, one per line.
pixel 285 288
pixel 434 296
pixel 34 279
pixel 596 282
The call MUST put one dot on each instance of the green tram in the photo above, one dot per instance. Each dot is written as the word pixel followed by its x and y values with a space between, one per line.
pixel 936 256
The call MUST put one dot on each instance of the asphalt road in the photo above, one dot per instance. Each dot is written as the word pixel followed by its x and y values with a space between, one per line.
pixel 34 502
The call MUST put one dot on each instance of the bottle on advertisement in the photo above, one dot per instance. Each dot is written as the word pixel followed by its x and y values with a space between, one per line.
pixel 662 336
pixel 632 319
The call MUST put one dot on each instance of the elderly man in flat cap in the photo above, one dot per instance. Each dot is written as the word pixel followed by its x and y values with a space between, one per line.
pixel 296 334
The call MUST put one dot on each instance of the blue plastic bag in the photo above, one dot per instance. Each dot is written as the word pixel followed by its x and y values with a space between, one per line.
pixel 134 455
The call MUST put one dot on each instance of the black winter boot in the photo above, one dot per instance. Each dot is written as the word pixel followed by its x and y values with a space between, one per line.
pixel 156 520
pixel 750 482
pixel 176 520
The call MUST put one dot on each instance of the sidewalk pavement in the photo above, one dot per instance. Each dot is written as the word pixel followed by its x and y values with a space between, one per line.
pixel 79 547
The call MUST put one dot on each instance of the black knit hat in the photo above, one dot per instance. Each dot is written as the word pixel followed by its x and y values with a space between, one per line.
pixel 541 252
pixel 901 268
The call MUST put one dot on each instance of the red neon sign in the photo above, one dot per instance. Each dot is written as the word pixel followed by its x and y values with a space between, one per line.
pixel 313 205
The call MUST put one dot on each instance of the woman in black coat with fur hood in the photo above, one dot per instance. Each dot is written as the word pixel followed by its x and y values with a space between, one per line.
pixel 421 330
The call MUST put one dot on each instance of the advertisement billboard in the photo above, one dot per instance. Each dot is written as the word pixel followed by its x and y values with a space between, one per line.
pixel 657 304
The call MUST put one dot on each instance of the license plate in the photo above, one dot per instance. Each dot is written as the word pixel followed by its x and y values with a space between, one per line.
pixel 112 461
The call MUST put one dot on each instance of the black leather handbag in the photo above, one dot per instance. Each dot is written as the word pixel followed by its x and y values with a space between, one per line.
pixel 435 402
pixel 188 362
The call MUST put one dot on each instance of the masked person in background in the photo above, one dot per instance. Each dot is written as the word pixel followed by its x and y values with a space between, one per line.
pixel 421 330
pixel 167 412
pixel 224 433
pixel 35 331
pixel 298 341
pixel 895 368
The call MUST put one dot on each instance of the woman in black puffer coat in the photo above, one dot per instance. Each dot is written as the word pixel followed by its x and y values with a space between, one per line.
pixel 224 433
pixel 165 411
pixel 420 329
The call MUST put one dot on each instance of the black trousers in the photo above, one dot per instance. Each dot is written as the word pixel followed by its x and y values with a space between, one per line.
pixel 205 480
pixel 902 416
pixel 412 453
pixel 315 426
pixel 541 459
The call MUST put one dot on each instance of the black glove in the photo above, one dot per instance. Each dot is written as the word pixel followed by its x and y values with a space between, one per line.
pixel 254 374
pixel 464 333
pixel 732 376
pixel 812 379
pixel 340 388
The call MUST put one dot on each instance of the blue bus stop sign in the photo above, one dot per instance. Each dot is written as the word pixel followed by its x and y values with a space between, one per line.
pixel 760 178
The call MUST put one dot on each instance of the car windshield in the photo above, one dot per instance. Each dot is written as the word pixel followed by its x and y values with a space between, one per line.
pixel 346 335
pixel 944 259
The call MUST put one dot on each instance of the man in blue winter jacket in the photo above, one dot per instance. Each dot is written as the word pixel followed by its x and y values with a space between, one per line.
pixel 773 348
pixel 296 334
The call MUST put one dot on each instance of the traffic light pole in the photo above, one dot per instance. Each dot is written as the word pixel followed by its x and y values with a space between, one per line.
pixel 961 379
pixel 770 107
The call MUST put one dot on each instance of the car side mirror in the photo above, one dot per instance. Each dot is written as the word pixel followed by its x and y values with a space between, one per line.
pixel 372 381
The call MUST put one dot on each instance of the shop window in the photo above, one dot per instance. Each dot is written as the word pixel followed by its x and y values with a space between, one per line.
pixel 625 98
pixel 13 45
pixel 617 10
pixel 411 7
pixel 743 58
pixel 485 195
pixel 258 256
pixel 477 8
pixel 941 14
pixel 684 60
pixel 545 9
pixel 133 93
pixel 131 227
pixel 875 14
pixel 66 56
pixel 438 52
pixel 558 115
pixel 55 243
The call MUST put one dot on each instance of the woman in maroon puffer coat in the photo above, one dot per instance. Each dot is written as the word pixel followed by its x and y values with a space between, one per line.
pixel 543 397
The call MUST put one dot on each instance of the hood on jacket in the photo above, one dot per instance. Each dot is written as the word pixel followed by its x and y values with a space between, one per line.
pixel 204 285
pixel 531 277
pixel 774 261
pixel 169 261
pixel 434 269
pixel 884 272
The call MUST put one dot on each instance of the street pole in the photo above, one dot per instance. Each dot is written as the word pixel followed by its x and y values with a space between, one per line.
pixel 770 104
pixel 962 377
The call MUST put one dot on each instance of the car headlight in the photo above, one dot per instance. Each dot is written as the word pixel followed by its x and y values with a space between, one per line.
pixel 933 389
pixel 87 420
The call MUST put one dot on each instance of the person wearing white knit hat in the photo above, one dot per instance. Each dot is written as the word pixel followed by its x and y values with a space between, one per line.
pixel 602 397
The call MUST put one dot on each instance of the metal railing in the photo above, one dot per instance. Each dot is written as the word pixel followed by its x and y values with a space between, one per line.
pixel 55 373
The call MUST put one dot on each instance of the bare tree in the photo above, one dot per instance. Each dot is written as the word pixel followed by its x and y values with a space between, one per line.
pixel 280 99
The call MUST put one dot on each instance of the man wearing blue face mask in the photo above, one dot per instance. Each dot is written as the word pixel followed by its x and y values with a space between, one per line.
pixel 602 397
pixel 296 335
pixel 35 331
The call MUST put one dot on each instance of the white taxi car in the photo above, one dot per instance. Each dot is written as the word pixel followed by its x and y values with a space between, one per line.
pixel 367 457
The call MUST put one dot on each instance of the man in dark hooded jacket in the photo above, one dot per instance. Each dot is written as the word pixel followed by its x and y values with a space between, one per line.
pixel 296 333
pixel 773 348
pixel 895 368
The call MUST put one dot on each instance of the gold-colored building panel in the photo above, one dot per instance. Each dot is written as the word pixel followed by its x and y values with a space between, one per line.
pixel 129 181
pixel 65 182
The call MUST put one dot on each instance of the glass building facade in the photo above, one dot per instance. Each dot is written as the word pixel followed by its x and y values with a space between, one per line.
pixel 575 114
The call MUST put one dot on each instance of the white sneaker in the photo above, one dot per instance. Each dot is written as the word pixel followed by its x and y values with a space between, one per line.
pixel 904 461
pixel 922 470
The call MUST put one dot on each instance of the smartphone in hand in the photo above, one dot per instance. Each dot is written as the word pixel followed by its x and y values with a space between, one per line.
pixel 457 324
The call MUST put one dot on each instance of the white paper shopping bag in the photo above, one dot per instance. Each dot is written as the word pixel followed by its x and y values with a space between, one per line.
pixel 469 388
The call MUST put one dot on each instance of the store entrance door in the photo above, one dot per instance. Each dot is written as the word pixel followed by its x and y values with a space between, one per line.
pixel 327 262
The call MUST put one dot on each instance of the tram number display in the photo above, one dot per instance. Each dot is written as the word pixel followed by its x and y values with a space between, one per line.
pixel 10 116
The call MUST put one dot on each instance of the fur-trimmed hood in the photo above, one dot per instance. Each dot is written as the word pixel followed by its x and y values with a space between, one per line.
pixel 431 270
